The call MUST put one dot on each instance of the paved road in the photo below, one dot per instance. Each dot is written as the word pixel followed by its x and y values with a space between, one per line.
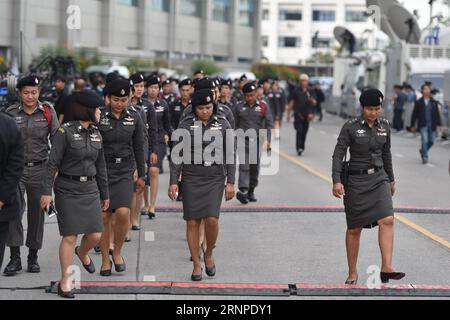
pixel 283 247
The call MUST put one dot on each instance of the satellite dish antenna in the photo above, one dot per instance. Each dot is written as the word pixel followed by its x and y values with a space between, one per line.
pixel 387 29
pixel 404 24
pixel 345 38
pixel 382 4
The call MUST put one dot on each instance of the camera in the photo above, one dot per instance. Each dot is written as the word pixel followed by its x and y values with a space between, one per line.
pixel 50 211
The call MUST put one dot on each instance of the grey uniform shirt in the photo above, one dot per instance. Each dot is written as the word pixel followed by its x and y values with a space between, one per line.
pixel 369 147
pixel 35 130
pixel 77 151
pixel 216 123
pixel 123 137
pixel 255 117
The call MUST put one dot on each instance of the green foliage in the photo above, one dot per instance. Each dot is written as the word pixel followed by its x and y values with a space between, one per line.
pixel 209 67
pixel 271 71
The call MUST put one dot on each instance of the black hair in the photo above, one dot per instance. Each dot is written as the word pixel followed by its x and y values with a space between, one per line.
pixel 81 113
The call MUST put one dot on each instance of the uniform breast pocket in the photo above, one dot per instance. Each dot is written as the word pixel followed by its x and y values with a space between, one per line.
pixel 381 139
pixel 77 145
pixel 97 145
pixel 362 140
pixel 41 127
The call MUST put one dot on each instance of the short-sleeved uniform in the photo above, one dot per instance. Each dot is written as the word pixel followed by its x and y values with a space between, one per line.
pixel 77 156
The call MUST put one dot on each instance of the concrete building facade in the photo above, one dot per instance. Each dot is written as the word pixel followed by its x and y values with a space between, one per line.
pixel 225 31
pixel 289 26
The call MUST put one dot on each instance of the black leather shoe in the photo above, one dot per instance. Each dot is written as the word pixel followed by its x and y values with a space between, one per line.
pixel 211 272
pixel 65 295
pixel 300 152
pixel 135 228
pixel 197 278
pixel 386 276
pixel 33 265
pixel 106 273
pixel 242 197
pixel 13 267
pixel 251 197
pixel 89 267
pixel 120 267
pixel 151 215
pixel 127 240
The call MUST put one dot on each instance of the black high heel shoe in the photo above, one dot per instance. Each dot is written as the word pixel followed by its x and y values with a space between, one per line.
pixel 197 278
pixel 64 294
pixel 211 272
pixel 120 267
pixel 89 267
pixel 386 276
pixel 351 282
pixel 106 273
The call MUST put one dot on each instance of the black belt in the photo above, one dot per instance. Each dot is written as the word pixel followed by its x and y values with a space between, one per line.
pixel 204 164
pixel 33 164
pixel 76 178
pixel 364 172
pixel 118 160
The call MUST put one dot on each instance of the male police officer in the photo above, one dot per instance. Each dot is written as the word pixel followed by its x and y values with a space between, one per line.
pixel 238 95
pixel 11 169
pixel 256 115
pixel 37 122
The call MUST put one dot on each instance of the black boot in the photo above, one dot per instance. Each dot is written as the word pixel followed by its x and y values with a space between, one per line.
pixel 251 195
pixel 33 265
pixel 15 265
pixel 242 196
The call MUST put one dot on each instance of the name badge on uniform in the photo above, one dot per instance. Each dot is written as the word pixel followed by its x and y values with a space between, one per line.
pixel 216 126
pixel 258 109
pixel 104 122
pixel 127 123
pixel 95 138
pixel 20 120
pixel 177 108
pixel 77 137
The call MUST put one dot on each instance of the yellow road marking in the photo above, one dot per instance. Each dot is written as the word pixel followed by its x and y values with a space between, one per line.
pixel 398 217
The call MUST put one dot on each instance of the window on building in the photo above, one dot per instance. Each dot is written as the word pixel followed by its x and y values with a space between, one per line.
pixel 324 15
pixel 321 42
pixel 161 5
pixel 221 10
pixel 245 60
pixel 265 41
pixel 291 14
pixel 266 14
pixel 191 8
pixel 355 16
pixel 220 58
pixel 131 3
pixel 246 12
pixel 289 42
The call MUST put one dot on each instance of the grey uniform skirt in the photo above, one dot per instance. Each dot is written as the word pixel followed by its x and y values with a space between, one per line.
pixel 367 200
pixel 78 206
pixel 203 191
pixel 121 186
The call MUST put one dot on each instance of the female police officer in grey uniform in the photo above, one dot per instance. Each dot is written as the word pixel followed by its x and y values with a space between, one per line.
pixel 370 182
pixel 204 179
pixel 77 155
pixel 123 138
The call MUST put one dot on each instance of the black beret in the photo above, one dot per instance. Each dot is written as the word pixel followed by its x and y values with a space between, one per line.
pixel 167 82
pixel 185 82
pixel 199 72
pixel 205 83
pixel 152 80
pixel 243 77
pixel 202 98
pixel 119 88
pixel 226 83
pixel 249 87
pixel 28 81
pixel 137 78
pixel 371 98
pixel 89 99
pixel 110 77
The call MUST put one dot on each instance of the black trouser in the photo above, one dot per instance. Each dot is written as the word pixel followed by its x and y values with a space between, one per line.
pixel 319 112
pixel 4 227
pixel 398 120
pixel 302 127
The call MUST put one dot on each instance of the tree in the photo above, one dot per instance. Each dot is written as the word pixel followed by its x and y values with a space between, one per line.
pixel 209 67
pixel 272 71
